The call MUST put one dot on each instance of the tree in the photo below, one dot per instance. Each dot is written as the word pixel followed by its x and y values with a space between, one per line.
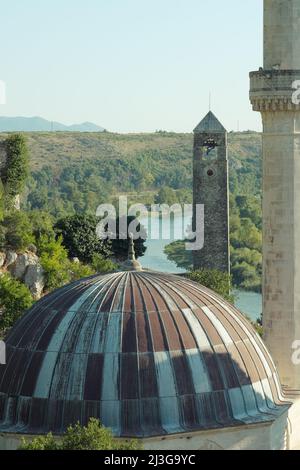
pixel 247 235
pixel 79 237
pixel 18 230
pixel 15 298
pixel 218 281
pixel 166 195
pixel 120 246
pixel 177 253
pixel 17 165
pixel 246 276
pixel 42 223
pixel 94 436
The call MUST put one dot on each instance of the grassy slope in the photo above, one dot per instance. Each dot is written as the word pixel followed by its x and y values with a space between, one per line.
pixel 58 148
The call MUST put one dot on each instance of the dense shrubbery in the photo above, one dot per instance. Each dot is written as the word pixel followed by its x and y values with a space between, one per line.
pixel 216 280
pixel 246 241
pixel 79 237
pixel 15 298
pixel 90 437
pixel 17 230
pixel 102 265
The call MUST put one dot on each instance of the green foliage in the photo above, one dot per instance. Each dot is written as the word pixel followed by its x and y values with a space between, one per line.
pixel 170 196
pixel 246 236
pixel 246 241
pixel 15 298
pixel 102 165
pixel 102 265
pixel 79 270
pixel 246 268
pixel 54 260
pixel 91 437
pixel 80 238
pixel 177 253
pixel 2 201
pixel 42 223
pixel 120 246
pixel 59 270
pixel 166 195
pixel 145 166
pixel 47 442
pixel 17 230
pixel 17 165
pixel 215 280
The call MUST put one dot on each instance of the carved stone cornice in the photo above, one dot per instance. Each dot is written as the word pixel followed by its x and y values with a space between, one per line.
pixel 273 90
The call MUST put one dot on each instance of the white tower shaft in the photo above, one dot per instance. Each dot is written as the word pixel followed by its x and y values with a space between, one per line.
pixel 271 93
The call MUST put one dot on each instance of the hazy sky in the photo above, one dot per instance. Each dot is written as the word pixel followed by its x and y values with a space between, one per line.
pixel 131 65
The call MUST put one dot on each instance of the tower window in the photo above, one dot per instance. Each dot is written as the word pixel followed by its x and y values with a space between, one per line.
pixel 210 173
pixel 210 145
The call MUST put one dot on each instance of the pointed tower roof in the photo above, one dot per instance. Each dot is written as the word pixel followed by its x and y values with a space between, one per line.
pixel 210 124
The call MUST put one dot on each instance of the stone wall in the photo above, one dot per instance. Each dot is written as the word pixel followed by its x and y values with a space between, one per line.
pixel 261 436
pixel 211 189
pixel 24 267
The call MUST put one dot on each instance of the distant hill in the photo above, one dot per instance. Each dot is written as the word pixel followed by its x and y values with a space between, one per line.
pixel 75 172
pixel 38 124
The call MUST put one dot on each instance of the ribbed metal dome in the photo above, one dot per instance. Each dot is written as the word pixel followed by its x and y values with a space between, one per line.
pixel 147 353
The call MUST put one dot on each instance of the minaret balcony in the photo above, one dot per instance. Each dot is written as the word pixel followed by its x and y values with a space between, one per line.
pixel 275 90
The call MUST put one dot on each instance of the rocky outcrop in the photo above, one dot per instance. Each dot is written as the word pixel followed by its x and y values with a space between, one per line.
pixel 10 258
pixel 16 203
pixel 25 267
pixel 2 259
pixel 35 280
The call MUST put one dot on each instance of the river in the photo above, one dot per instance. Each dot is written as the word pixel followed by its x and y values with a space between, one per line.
pixel 249 303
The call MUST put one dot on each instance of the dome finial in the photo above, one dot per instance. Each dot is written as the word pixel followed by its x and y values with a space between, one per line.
pixel 131 250
pixel 132 264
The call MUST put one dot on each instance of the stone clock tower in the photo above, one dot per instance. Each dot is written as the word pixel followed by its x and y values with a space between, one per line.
pixel 272 95
pixel 211 190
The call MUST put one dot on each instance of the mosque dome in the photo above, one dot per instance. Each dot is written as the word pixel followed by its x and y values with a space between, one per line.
pixel 149 354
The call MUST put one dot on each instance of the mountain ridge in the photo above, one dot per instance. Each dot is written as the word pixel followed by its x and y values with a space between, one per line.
pixel 38 124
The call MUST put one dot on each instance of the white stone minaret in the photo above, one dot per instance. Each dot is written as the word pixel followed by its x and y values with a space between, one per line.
pixel 271 94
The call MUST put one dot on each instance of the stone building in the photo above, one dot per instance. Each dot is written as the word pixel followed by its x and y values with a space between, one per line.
pixel 210 180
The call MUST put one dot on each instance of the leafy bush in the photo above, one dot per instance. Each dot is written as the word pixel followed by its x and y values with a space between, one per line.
pixel 54 260
pixel 15 298
pixel 42 223
pixel 102 265
pixel 79 270
pixel 91 437
pixel 17 230
pixel 213 279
